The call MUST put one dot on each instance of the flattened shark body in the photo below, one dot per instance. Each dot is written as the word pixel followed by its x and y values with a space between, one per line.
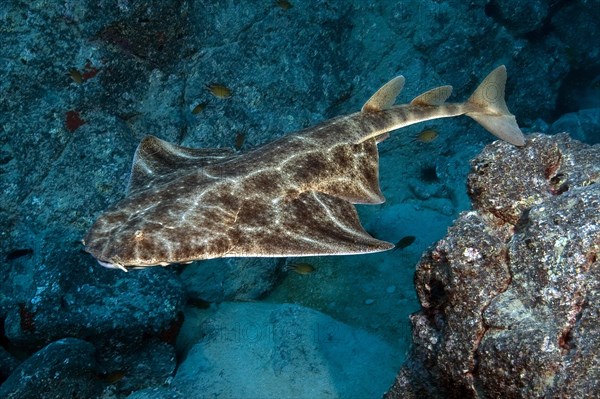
pixel 291 197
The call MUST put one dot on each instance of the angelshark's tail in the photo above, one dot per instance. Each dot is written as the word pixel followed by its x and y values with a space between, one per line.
pixel 490 111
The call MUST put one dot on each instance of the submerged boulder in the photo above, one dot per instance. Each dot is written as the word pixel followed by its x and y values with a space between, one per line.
pixel 266 350
pixel 63 369
pixel 228 279
pixel 510 296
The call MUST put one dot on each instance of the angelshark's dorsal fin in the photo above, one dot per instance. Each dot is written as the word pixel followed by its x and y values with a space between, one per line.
pixel 156 158
pixel 436 96
pixel 385 97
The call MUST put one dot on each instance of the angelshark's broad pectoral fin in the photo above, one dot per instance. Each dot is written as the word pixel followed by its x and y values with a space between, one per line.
pixel 156 158
pixel 311 224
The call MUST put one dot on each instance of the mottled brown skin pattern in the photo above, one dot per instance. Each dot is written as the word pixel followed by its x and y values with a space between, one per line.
pixel 291 197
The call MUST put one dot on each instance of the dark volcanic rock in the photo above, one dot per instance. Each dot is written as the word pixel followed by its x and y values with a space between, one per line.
pixel 131 318
pixel 107 307
pixel 583 53
pixel 506 181
pixel 151 365
pixel 63 369
pixel 7 364
pixel 510 297
pixel 520 17
pixel 583 125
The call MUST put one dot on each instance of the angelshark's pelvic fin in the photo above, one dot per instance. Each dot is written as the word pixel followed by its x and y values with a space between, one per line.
pixel 490 110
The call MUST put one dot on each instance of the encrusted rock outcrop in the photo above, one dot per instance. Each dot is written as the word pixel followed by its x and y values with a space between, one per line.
pixel 510 297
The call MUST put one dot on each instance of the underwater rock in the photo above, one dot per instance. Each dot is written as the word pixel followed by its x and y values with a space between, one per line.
pixel 507 183
pixel 132 319
pixel 520 17
pixel 510 297
pixel 156 393
pixel 582 52
pixel 261 350
pixel 109 308
pixel 63 369
pixel 583 125
pixel 149 365
pixel 228 279
pixel 580 89
pixel 7 364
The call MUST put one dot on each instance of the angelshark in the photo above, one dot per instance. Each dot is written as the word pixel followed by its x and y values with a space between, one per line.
pixel 290 197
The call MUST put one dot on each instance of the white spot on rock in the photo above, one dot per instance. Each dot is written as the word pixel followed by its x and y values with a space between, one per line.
pixel 471 254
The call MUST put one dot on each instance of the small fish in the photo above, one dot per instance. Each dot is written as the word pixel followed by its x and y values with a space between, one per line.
pixel 405 242
pixel 284 4
pixel 198 108
pixel 302 268
pixel 76 76
pixel 426 136
pixel 219 91
pixel 240 138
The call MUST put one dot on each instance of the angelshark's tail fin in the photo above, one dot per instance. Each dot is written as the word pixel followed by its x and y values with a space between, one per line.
pixel 490 111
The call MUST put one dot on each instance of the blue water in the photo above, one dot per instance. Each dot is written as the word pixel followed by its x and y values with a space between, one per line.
pixel 83 82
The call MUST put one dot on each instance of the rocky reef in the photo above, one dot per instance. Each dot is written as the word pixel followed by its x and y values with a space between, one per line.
pixel 510 296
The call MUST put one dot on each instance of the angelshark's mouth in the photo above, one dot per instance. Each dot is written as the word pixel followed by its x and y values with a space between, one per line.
pixel 112 265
